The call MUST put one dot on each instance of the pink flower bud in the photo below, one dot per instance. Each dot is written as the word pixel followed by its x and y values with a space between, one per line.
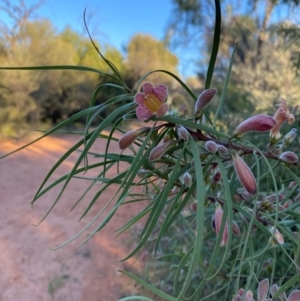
pixel 288 157
pixel 216 225
pixel 142 173
pixel 211 146
pixel 194 206
pixel 235 229
pixel 128 138
pixel 182 132
pixel 272 198
pixel 217 177
pixel 274 289
pixel 263 289
pixel 289 202
pixel 160 150
pixel 277 235
pixel 244 174
pixel 292 184
pixel 257 123
pixel 187 179
pixel 290 136
pixel 294 296
pixel 222 149
pixel 203 100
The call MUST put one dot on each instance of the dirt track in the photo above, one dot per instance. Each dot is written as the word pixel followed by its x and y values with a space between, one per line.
pixel 29 270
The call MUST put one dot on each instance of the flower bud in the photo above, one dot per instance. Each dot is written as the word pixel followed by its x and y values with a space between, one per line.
pixel 294 296
pixel 128 138
pixel 272 198
pixel 187 179
pixel 217 177
pixel 288 157
pixel 263 289
pixel 292 184
pixel 142 173
pixel 211 146
pixel 222 150
pixel 203 100
pixel 194 206
pixel 290 136
pixel 277 235
pixel 297 197
pixel 216 225
pixel 160 150
pixel 289 203
pixel 257 123
pixel 244 174
pixel 182 133
pixel 274 289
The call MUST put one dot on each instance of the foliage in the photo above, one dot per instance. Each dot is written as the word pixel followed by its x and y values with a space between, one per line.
pixel 232 204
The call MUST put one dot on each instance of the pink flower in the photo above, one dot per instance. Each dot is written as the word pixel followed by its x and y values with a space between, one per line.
pixel 257 123
pixel 151 101
pixel 281 115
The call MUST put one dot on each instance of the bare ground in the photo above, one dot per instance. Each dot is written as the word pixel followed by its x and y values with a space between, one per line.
pixel 29 270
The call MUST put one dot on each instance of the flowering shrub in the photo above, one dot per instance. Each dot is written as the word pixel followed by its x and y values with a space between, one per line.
pixel 202 184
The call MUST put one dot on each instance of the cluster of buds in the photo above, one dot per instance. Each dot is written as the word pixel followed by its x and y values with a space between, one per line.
pixel 214 147
pixel 269 203
pixel 263 291
pixel 152 101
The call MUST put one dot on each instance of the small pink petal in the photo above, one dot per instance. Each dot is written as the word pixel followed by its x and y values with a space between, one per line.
pixel 139 98
pixel 162 110
pixel 143 113
pixel 161 92
pixel 294 296
pixel 148 88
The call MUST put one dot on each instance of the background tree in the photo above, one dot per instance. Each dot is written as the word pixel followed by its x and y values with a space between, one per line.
pixel 267 56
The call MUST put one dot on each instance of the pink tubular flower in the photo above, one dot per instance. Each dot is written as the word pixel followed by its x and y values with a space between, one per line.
pixel 244 174
pixel 151 101
pixel 216 225
pixel 281 115
pixel 257 123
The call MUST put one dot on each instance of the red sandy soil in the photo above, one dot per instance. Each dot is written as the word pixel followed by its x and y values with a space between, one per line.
pixel 29 270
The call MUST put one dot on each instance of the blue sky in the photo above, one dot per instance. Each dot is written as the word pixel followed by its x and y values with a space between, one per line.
pixel 113 22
